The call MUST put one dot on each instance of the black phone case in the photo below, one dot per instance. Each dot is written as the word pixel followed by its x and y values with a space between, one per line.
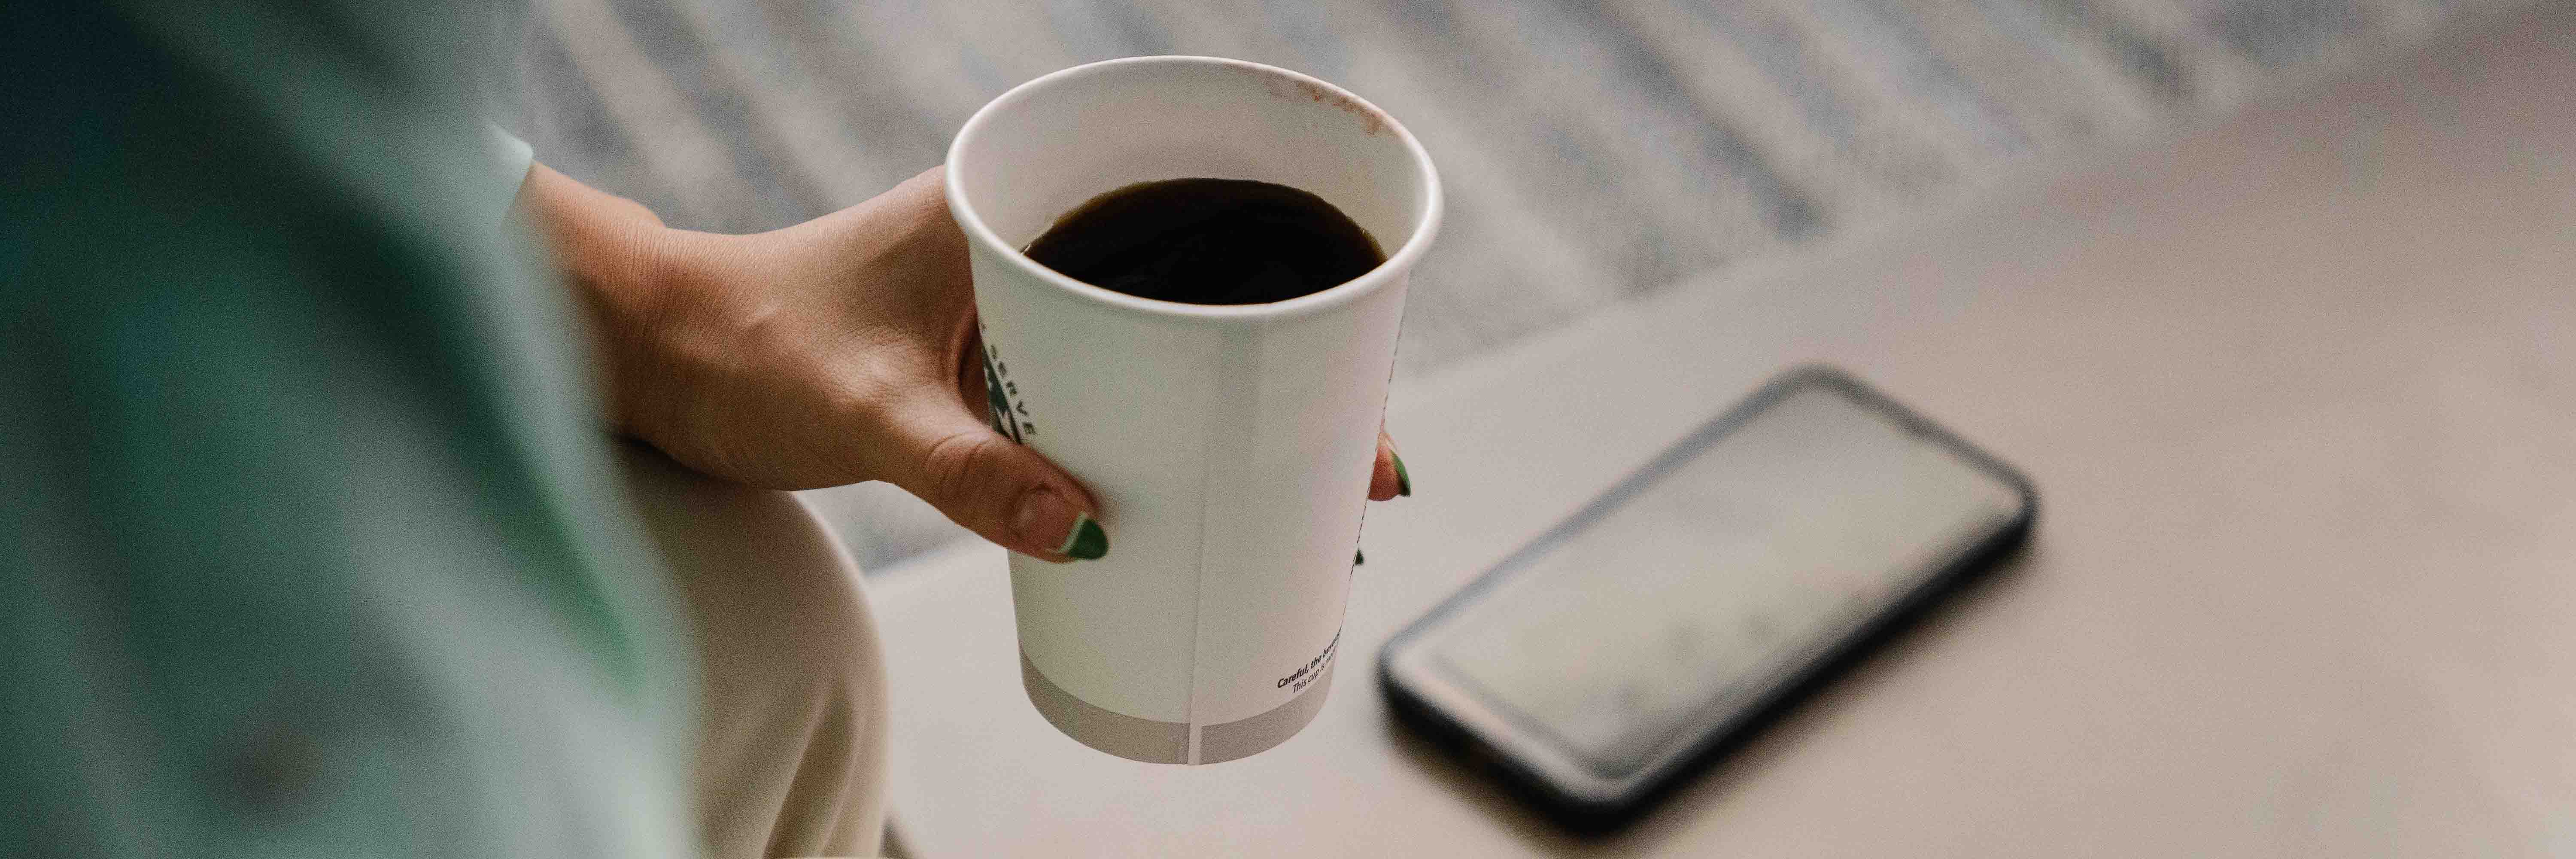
pixel 1601 817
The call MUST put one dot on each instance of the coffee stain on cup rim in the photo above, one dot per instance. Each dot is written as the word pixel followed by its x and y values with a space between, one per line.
pixel 1373 122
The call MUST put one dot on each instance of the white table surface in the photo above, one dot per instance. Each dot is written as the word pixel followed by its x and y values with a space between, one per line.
pixel 2299 394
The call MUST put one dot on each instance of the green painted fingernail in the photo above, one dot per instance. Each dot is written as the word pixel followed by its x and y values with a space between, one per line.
pixel 1403 482
pixel 1087 542
pixel 1358 557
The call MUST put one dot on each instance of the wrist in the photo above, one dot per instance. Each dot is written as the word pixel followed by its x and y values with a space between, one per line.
pixel 633 294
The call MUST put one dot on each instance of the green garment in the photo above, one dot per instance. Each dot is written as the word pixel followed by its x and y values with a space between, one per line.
pixel 309 539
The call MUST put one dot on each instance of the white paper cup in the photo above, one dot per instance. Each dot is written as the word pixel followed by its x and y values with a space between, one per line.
pixel 1229 447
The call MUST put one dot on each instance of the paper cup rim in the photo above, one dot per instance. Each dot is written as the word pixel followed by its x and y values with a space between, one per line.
pixel 1396 263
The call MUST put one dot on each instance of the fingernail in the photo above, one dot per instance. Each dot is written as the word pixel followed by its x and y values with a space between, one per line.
pixel 1045 517
pixel 1358 558
pixel 1403 482
pixel 1087 542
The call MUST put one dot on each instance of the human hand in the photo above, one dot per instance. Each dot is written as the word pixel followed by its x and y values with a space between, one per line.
pixel 835 351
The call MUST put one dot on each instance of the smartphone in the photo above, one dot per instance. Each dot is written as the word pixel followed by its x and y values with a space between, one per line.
pixel 1691 603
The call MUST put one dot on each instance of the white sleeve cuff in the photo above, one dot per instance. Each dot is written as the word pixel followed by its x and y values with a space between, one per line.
pixel 510 158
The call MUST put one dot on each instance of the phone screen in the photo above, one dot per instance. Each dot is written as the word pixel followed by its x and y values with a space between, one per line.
pixel 1718 578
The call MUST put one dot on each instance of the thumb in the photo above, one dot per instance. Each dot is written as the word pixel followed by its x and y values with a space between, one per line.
pixel 994 486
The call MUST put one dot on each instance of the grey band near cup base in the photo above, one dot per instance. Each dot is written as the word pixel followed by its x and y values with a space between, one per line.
pixel 1243 737
pixel 1119 734
pixel 1159 742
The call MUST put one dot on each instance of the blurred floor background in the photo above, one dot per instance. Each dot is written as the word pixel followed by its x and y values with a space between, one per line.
pixel 1592 151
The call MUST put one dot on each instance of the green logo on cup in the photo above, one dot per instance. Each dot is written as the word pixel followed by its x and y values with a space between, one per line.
pixel 1010 417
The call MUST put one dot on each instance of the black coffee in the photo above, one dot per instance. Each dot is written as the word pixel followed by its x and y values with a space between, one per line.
pixel 1208 241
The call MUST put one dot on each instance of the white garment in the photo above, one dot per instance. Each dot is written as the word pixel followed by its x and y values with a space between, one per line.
pixel 791 737
pixel 511 159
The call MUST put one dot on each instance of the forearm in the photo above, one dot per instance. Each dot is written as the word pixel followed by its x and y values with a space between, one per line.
pixel 778 358
pixel 616 257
